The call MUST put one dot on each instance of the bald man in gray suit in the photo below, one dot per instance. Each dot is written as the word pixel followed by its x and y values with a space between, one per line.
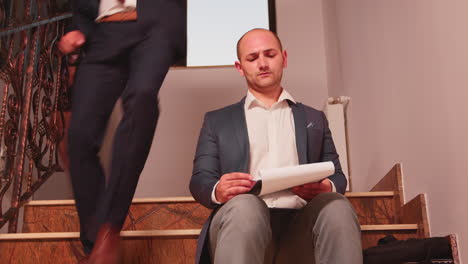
pixel 311 223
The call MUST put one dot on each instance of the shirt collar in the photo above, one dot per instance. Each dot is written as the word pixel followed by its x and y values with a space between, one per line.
pixel 250 99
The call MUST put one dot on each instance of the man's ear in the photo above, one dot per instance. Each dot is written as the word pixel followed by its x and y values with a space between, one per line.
pixel 285 58
pixel 239 68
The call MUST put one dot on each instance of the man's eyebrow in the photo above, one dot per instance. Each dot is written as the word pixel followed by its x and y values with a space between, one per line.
pixel 262 51
pixel 253 53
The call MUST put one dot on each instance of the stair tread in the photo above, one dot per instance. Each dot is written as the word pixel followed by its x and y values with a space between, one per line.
pixel 188 199
pixel 389 227
pixel 192 233
pixel 72 235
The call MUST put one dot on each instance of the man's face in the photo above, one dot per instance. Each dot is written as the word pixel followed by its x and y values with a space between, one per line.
pixel 261 60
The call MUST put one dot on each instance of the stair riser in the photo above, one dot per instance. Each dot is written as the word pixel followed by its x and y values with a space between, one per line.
pixel 374 210
pixel 141 250
pixel 162 216
pixel 135 250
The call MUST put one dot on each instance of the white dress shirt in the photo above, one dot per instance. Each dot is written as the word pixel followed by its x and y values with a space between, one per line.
pixel 110 7
pixel 272 141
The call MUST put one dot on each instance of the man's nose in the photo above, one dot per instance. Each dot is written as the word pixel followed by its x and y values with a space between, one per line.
pixel 262 63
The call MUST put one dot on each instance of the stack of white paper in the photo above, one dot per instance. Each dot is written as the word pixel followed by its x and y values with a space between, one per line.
pixel 278 179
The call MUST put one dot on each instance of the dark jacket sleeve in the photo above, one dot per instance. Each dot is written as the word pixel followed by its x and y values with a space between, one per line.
pixel 206 168
pixel 84 13
pixel 329 154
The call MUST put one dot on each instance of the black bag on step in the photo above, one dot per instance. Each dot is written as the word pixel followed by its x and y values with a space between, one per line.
pixel 392 251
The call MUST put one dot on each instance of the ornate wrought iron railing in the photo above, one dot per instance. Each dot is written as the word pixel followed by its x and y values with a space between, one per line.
pixel 32 87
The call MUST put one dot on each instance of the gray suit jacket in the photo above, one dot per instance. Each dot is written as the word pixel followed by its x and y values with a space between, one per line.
pixel 223 147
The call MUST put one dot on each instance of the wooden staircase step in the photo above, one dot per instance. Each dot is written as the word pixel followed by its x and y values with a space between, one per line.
pixel 175 233
pixel 374 207
pixel 165 230
pixel 144 214
pixel 138 247
pixel 180 213
pixel 147 246
pixel 369 194
pixel 188 199
pixel 389 227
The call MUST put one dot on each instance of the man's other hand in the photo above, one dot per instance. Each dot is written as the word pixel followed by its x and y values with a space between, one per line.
pixel 71 41
pixel 232 184
pixel 310 190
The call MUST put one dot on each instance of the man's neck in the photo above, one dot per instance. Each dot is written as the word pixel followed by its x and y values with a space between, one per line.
pixel 268 97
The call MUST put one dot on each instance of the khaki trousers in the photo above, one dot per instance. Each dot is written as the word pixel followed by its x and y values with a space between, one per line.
pixel 246 231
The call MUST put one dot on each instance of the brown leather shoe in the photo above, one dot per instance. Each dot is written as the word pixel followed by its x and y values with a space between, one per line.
pixel 106 250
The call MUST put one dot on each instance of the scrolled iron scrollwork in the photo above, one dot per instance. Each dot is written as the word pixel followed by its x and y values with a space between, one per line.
pixel 34 86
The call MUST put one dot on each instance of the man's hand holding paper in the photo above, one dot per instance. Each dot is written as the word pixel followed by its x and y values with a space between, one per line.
pixel 232 184
pixel 309 190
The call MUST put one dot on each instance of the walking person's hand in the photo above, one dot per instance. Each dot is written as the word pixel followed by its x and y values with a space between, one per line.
pixel 71 41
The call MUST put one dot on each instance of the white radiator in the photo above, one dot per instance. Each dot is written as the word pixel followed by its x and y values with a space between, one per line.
pixel 336 114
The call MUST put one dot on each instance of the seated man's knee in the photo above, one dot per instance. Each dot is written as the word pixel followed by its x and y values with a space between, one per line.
pixel 242 225
pixel 339 207
pixel 246 204
pixel 324 200
pixel 328 197
pixel 246 200
pixel 336 212
pixel 246 208
pixel 331 208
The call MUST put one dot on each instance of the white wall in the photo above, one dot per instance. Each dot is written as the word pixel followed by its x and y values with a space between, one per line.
pixel 405 66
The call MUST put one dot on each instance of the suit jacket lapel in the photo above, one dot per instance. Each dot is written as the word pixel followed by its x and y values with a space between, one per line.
pixel 301 131
pixel 240 128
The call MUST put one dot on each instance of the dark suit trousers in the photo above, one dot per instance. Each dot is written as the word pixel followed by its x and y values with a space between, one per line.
pixel 127 60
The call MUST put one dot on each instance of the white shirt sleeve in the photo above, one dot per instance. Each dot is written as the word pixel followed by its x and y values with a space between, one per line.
pixel 332 184
pixel 213 194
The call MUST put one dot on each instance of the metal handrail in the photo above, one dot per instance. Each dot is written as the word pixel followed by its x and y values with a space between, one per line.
pixel 40 22
pixel 31 114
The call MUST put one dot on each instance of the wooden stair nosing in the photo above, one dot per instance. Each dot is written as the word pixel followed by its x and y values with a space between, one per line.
pixel 191 200
pixel 389 227
pixel 173 233
pixel 369 194
pixel 135 200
